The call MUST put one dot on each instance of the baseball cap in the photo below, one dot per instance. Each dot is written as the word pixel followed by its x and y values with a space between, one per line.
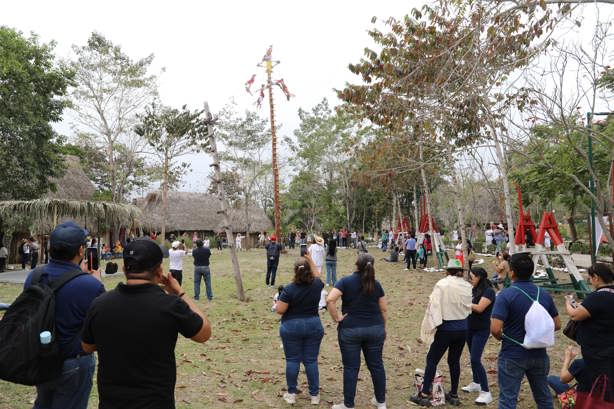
pixel 454 264
pixel 68 234
pixel 141 255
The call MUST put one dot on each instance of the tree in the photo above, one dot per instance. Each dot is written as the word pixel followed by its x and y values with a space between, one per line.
pixel 245 139
pixel 32 87
pixel 170 133
pixel 110 90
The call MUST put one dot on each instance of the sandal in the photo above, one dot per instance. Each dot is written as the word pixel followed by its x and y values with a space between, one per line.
pixel 421 399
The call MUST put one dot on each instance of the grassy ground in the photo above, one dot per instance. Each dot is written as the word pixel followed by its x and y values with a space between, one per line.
pixel 242 365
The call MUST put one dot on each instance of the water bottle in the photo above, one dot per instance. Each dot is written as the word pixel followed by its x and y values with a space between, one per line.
pixel 45 337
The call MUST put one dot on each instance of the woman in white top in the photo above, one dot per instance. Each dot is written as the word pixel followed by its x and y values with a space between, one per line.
pixel 316 251
pixel 175 257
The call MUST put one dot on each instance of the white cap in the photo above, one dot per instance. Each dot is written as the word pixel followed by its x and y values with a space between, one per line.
pixel 176 244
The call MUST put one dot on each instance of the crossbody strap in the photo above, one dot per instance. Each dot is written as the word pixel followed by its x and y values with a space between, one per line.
pixel 65 278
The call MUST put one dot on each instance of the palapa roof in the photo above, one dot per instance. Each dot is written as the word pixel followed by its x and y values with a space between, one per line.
pixel 189 211
pixel 74 185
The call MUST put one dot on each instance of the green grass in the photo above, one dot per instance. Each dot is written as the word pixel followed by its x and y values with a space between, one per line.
pixel 242 366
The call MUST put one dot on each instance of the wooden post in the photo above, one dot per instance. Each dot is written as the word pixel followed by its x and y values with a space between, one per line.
pixel 223 212
pixel 269 72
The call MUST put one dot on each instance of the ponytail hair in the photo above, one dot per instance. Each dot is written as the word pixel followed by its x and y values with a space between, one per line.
pixel 603 271
pixel 366 269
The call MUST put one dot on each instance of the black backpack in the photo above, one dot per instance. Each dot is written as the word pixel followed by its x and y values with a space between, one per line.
pixel 23 359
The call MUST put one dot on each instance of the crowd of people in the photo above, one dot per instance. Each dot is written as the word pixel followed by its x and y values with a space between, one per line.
pixel 464 308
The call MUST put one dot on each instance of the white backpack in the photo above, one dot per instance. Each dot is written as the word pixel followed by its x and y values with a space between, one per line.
pixel 538 325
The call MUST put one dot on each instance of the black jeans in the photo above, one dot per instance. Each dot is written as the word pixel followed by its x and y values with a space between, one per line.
pixel 178 275
pixel 453 342
pixel 2 264
pixel 33 260
pixel 410 258
pixel 271 270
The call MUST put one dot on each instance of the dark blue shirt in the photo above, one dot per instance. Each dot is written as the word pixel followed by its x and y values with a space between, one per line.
pixel 201 256
pixel 511 306
pixel 481 321
pixel 362 310
pixel 302 299
pixel 71 304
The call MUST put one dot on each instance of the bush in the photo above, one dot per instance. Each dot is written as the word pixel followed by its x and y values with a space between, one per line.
pixel 580 247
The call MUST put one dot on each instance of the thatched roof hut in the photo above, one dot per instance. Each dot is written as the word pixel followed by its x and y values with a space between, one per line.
pixel 198 212
pixel 74 184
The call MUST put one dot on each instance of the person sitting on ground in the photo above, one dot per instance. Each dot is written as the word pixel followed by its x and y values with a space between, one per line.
pixel 394 255
pixel 571 369
pixel 134 328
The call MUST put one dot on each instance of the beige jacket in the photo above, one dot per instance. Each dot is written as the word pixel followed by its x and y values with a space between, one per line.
pixel 450 300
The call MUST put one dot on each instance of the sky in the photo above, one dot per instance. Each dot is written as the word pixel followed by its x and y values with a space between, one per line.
pixel 209 49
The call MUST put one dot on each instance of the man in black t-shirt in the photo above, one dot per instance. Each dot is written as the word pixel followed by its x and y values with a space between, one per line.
pixel 134 328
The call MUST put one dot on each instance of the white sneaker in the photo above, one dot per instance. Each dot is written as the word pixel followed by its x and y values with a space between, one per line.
pixel 374 402
pixel 340 406
pixel 472 387
pixel 484 399
pixel 290 398
pixel 315 400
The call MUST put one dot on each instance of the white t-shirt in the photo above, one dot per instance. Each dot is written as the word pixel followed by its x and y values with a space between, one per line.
pixel 207 243
pixel 317 255
pixel 175 259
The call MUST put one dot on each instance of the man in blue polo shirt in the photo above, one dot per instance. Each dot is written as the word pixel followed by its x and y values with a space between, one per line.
pixel 72 389
pixel 507 324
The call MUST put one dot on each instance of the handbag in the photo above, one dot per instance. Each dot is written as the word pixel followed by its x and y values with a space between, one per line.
pixel 567 399
pixel 571 330
pixel 595 399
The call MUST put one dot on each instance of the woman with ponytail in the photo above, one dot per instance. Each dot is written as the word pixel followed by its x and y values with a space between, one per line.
pixel 596 327
pixel 301 330
pixel 362 327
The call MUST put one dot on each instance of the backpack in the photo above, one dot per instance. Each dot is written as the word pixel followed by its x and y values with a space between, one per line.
pixel 23 358
pixel 111 268
pixel 538 325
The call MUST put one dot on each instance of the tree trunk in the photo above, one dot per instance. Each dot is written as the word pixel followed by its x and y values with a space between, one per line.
pixel 217 179
pixel 394 212
pixel 416 217
pixel 571 222
pixel 506 189
pixel 427 195
pixel 460 211
pixel 164 198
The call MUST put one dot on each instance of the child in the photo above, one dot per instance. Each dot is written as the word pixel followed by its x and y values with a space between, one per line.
pixel 422 256
pixel 276 297
pixel 322 303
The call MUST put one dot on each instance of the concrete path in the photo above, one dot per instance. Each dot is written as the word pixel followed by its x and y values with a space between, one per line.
pixel 14 276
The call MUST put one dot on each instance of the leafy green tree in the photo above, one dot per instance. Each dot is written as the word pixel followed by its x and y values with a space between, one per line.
pixel 110 90
pixel 32 87
pixel 245 156
pixel 170 133
pixel 544 166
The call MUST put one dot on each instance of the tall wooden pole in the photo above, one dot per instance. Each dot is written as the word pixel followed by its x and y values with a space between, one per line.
pixel 269 72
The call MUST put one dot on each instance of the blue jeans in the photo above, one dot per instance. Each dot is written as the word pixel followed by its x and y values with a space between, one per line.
pixel 72 389
pixel 557 386
pixel 511 372
pixel 204 272
pixel 369 340
pixel 331 272
pixel 301 338
pixel 476 340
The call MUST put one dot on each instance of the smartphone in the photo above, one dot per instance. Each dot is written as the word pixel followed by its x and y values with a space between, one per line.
pixel 93 261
